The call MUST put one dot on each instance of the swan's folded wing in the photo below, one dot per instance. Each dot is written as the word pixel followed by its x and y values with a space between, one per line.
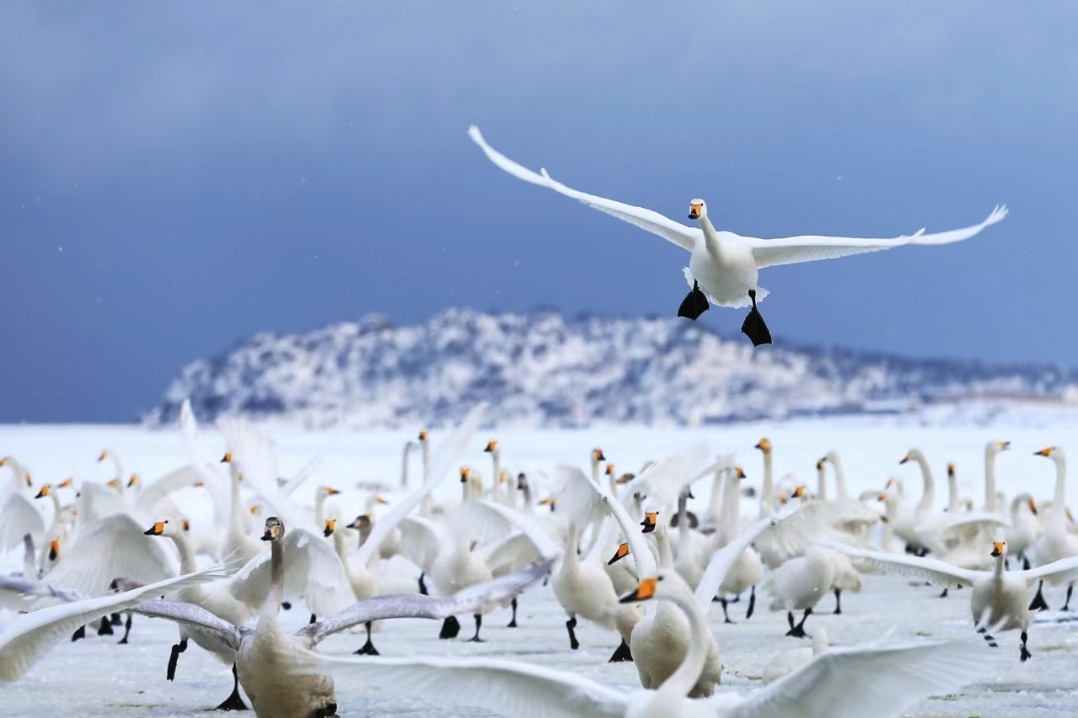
pixel 27 637
pixel 193 616
pixel 874 682
pixel 411 605
pixel 928 569
pixel 114 547
pixel 809 248
pixel 645 219
pixel 508 688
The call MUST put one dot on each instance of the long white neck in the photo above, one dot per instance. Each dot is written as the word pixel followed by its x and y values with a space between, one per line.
pixel 711 238
pixel 1059 499
pixel 572 544
pixel 990 451
pixel 767 491
pixel 821 481
pixel 595 472
pixel 928 496
pixel 997 569
pixel 731 510
pixel 187 556
pixel 662 543
pixel 425 445
pixel 676 688
pixel 682 522
pixel 714 507
pixel 272 604
pixel 119 469
pixel 840 475
pixel 235 517
pixel 952 491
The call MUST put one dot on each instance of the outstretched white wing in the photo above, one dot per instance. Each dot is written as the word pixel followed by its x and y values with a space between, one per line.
pixel 508 688
pixel 929 569
pixel 868 682
pixel 646 219
pixel 27 637
pixel 809 248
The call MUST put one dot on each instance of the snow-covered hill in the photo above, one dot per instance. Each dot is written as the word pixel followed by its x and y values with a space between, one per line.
pixel 545 370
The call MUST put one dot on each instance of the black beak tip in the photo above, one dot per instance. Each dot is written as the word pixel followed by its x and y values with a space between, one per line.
pixel 628 598
pixel 148 532
pixel 266 537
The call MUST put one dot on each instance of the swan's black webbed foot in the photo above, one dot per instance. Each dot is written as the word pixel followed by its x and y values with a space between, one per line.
pixel 945 592
pixel 234 702
pixel 571 625
pixel 478 623
pixel 754 326
pixel 513 622
pixel 423 585
pixel 117 619
pixel 752 602
pixel 104 628
pixel 368 648
pixel 621 653
pixel 1038 603
pixel 725 615
pixel 1067 603
pixel 174 657
pixel 450 628
pixel 694 304
pixel 798 631
pixel 79 634
pixel 1025 655
pixel 127 630
pixel 838 602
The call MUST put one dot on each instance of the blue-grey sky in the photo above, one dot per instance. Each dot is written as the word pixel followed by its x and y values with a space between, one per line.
pixel 178 175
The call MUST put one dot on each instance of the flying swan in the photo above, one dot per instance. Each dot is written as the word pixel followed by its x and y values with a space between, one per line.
pixel 724 266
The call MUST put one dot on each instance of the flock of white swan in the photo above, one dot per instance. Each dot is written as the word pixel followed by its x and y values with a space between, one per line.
pixel 637 555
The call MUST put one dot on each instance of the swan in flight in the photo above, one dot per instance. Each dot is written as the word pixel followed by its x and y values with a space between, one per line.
pixel 723 267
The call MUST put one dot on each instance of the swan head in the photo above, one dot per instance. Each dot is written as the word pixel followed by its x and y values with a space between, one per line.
pixel 739 473
pixel 465 474
pixel 186 524
pixel 227 458
pixel 1032 506
pixel 651 520
pixel 54 549
pixel 103 455
pixel 597 455
pixel 274 529
pixel 492 446
pixel 999 548
pixel 362 523
pixel 43 491
pixel 622 552
pixel 764 445
pixel 422 434
pixel 331 525
pixel 328 490
pixel 950 469
pixel 132 481
pixel 664 584
pixel 819 464
pixel 697 209
pixel 159 528
pixel 1000 445
pixel 1049 451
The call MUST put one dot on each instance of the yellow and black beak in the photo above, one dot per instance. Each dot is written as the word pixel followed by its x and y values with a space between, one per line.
pixel 330 526
pixel 904 460
pixel 132 481
pixel 62 485
pixel 157 529
pixel 1033 507
pixel 950 469
pixel 227 458
pixel 622 552
pixel 423 435
pixel 799 492
pixel 997 548
pixel 465 472
pixel 330 491
pixel 380 500
pixel 739 473
pixel 643 592
pixel 29 481
pixel 694 210
pixel 42 492
pixel 54 549
pixel 186 525
pixel 102 456
pixel 599 455
pixel 491 446
pixel 651 518
pixel 1004 445
pixel 1047 451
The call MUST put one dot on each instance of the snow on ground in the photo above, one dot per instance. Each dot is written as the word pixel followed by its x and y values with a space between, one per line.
pixel 97 678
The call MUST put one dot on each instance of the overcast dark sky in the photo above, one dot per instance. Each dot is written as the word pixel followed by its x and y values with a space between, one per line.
pixel 178 175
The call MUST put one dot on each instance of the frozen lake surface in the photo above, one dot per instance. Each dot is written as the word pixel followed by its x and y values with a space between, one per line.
pixel 95 677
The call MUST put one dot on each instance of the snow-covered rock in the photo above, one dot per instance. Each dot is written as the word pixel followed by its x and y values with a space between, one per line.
pixel 545 370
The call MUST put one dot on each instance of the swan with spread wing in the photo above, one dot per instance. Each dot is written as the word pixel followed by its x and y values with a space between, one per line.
pixel 724 267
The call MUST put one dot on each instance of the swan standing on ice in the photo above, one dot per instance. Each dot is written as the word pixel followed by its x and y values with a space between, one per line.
pixel 723 267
